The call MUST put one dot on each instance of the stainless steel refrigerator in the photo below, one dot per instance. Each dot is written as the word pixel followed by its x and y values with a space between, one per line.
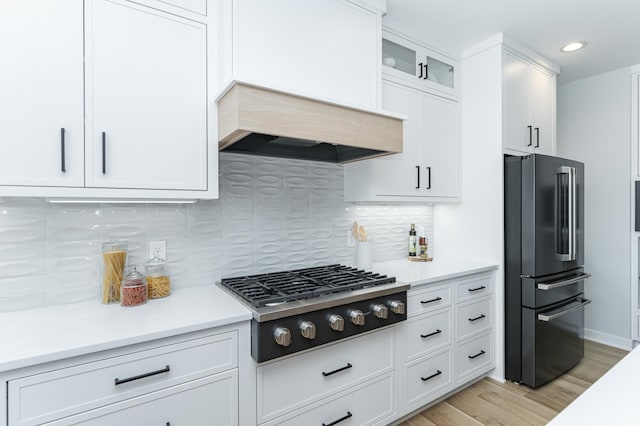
pixel 544 274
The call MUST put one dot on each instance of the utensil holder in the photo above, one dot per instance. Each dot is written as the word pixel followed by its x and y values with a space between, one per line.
pixel 364 255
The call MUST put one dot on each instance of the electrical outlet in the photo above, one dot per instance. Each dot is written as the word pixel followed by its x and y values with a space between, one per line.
pixel 351 239
pixel 158 248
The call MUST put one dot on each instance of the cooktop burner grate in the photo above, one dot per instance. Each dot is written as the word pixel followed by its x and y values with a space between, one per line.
pixel 273 288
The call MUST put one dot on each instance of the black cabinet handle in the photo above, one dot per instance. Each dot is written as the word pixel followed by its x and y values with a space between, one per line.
pixel 341 419
pixel 426 71
pixel 346 367
pixel 424 302
pixel 530 136
pixel 477 318
pixel 476 355
pixel 537 137
pixel 418 170
pixel 142 376
pixel 104 153
pixel 168 424
pixel 429 177
pixel 424 336
pixel 476 289
pixel 436 374
pixel 62 153
pixel 420 65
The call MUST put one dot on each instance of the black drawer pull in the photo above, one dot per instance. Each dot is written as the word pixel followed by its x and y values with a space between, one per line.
pixel 341 419
pixel 477 288
pixel 104 153
pixel 477 355
pixel 437 373
pixel 142 376
pixel 477 318
pixel 63 166
pixel 424 302
pixel 346 367
pixel 424 336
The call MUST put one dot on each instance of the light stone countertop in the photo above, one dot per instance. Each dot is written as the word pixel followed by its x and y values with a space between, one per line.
pixel 420 273
pixel 37 336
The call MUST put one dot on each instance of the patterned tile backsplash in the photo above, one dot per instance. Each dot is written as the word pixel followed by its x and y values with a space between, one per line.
pixel 272 215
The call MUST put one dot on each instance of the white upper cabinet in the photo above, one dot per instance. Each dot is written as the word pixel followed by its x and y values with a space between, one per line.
pixel 428 169
pixel 41 87
pixel 410 63
pixel 146 98
pixel 328 49
pixel 108 99
pixel 529 106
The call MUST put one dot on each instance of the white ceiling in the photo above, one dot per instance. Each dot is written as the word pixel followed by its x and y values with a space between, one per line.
pixel 611 28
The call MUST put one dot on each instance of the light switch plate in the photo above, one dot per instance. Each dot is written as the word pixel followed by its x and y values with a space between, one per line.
pixel 158 248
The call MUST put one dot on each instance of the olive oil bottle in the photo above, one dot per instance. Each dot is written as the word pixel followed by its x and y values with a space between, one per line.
pixel 413 241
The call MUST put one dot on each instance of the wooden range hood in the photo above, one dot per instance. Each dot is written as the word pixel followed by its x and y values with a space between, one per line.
pixel 260 121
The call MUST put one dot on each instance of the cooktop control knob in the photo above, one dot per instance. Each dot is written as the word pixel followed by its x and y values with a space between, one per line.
pixel 282 336
pixel 397 307
pixel 308 330
pixel 380 311
pixel 357 317
pixel 336 322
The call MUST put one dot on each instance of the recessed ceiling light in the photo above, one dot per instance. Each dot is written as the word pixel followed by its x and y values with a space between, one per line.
pixel 572 47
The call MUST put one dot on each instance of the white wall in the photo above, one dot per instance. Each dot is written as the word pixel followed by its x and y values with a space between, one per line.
pixel 474 228
pixel 594 127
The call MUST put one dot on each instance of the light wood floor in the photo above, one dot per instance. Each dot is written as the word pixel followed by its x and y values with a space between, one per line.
pixel 488 402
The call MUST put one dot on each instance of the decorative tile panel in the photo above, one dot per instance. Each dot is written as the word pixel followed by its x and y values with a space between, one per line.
pixel 273 214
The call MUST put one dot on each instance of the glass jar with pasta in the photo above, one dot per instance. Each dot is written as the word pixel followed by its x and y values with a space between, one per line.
pixel 134 289
pixel 157 278
pixel 114 257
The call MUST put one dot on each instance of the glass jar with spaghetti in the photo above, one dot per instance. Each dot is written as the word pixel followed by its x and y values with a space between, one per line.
pixel 134 289
pixel 114 256
pixel 157 278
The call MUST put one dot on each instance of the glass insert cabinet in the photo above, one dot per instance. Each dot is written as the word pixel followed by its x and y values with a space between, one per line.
pixel 416 65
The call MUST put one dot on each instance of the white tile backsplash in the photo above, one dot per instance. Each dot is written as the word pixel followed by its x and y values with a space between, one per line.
pixel 272 215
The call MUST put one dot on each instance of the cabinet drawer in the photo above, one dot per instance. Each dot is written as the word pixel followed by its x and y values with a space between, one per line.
pixel 64 392
pixel 367 405
pixel 202 402
pixel 291 383
pixel 473 318
pixel 422 301
pixel 426 377
pixel 474 356
pixel 474 288
pixel 428 333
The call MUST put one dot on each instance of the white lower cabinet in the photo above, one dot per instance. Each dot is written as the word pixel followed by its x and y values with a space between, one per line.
pixel 184 380
pixel 291 383
pixel 447 340
pixel 201 402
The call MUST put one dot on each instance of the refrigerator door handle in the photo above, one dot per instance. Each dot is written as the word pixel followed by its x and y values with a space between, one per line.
pixel 551 286
pixel 546 318
pixel 571 215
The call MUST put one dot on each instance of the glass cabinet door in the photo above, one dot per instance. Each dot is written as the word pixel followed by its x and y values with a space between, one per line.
pixel 399 57
pixel 417 65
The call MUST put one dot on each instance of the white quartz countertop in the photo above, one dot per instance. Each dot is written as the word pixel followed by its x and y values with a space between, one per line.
pixel 417 273
pixel 36 336
pixel 611 400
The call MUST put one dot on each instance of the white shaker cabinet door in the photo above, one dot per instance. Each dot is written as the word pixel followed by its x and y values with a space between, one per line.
pixel 440 146
pixel 399 174
pixel 146 98
pixel 543 110
pixel 41 92
pixel 517 99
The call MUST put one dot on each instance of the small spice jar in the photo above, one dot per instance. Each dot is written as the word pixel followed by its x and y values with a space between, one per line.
pixel 157 278
pixel 114 256
pixel 134 289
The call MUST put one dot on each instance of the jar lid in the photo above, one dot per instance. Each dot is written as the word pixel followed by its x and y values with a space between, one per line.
pixel 133 275
pixel 114 245
pixel 155 261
